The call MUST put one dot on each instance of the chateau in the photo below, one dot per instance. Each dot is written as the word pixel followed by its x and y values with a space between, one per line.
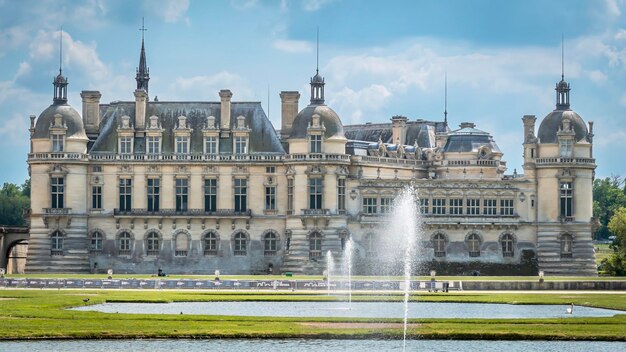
pixel 197 186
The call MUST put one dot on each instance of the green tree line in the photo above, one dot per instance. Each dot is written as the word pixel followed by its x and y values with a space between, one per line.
pixel 609 208
pixel 14 202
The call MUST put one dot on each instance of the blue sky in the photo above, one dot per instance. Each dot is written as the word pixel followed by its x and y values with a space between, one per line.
pixel 379 58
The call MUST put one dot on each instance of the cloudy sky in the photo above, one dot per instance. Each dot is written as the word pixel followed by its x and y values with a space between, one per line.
pixel 379 58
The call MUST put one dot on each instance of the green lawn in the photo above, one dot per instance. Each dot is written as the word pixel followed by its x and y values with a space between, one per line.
pixel 41 314
pixel 602 251
pixel 313 277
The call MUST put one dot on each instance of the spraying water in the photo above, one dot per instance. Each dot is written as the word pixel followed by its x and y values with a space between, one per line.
pixel 348 264
pixel 329 269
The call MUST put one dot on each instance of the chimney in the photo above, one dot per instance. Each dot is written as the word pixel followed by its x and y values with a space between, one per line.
pixel 398 129
pixel 529 128
pixel 141 102
pixel 289 110
pixel 91 111
pixel 225 95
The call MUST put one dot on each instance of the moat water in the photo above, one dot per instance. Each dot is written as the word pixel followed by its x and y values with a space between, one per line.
pixel 299 345
pixel 356 309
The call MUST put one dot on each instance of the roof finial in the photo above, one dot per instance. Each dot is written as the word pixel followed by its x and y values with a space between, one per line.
pixel 317 61
pixel 445 99
pixel 61 51
pixel 562 56
pixel 142 29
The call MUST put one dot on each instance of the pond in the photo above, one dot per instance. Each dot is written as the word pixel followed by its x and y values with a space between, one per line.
pixel 355 310
pixel 299 345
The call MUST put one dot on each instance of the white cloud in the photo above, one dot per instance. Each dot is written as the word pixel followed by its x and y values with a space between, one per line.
pixel 597 76
pixel 613 7
pixel 360 103
pixel 243 5
pixel 621 34
pixel 293 46
pixel 24 69
pixel 14 129
pixel 207 87
pixel 622 99
pixel 171 11
pixel 76 54
pixel 314 5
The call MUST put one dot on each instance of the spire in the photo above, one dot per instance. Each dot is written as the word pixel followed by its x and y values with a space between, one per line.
pixel 317 81
pixel 562 88
pixel 445 99
pixel 143 72
pixel 60 82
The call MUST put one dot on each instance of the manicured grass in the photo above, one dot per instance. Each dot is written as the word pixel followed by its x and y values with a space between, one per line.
pixel 602 252
pixel 42 314
pixel 313 277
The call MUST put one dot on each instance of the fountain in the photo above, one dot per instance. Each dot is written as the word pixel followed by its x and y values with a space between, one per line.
pixel 348 269
pixel 330 265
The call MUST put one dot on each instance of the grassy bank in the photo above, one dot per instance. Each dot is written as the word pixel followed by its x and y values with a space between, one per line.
pixel 42 314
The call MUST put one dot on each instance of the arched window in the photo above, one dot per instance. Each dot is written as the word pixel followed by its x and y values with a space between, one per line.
pixel 124 243
pixel 240 244
pixel 507 245
pixel 210 243
pixel 182 245
pixel 439 244
pixel 56 247
pixel 270 242
pixel 566 245
pixel 95 244
pixel 315 245
pixel 473 244
pixel 152 244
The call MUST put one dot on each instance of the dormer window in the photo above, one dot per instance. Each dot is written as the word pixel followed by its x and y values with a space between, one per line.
pixel 211 137
pixel 315 143
pixel 125 132
pixel 154 144
pixel 566 147
pixel 126 145
pixel 58 142
pixel 210 145
pixel 182 145
pixel 241 145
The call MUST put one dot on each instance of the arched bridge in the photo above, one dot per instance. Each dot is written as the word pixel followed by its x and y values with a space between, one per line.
pixel 11 236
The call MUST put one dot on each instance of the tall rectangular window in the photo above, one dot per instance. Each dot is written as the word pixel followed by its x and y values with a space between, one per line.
pixel 210 195
pixel 506 206
pixel 270 198
pixel 210 145
pixel 182 145
pixel 96 197
pixel 490 206
pixel 370 205
pixel 126 145
pixel 456 206
pixel 473 206
pixel 289 195
pixel 315 193
pixel 385 205
pixel 154 188
pixel 57 191
pixel 57 142
pixel 182 194
pixel 341 194
pixel 125 194
pixel 241 194
pixel 153 145
pixel 566 199
pixel 241 145
pixel 315 143
pixel 439 206
pixel 424 206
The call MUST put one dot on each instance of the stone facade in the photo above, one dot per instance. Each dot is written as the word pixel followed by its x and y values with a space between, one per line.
pixel 194 187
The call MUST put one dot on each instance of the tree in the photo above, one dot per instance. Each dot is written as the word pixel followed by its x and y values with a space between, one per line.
pixel 615 264
pixel 608 196
pixel 14 201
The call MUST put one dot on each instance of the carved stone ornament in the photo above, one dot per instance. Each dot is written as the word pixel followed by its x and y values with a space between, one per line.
pixel 153 169
pixel 125 122
pixel 342 170
pixel 240 169
pixel 58 169
pixel 315 170
pixel 290 170
pixel 210 169
pixel 182 169
pixel 125 169
pixel 154 123
pixel 210 123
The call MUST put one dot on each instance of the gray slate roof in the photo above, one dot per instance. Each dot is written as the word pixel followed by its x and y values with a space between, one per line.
pixel 552 123
pixel 263 137
pixel 71 119
pixel 421 131
pixel 469 139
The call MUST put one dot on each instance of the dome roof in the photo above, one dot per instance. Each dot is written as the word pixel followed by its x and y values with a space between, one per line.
pixel 552 123
pixel 71 119
pixel 469 139
pixel 317 78
pixel 330 119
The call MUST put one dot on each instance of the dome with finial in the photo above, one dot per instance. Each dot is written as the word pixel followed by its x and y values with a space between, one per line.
pixel 553 122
